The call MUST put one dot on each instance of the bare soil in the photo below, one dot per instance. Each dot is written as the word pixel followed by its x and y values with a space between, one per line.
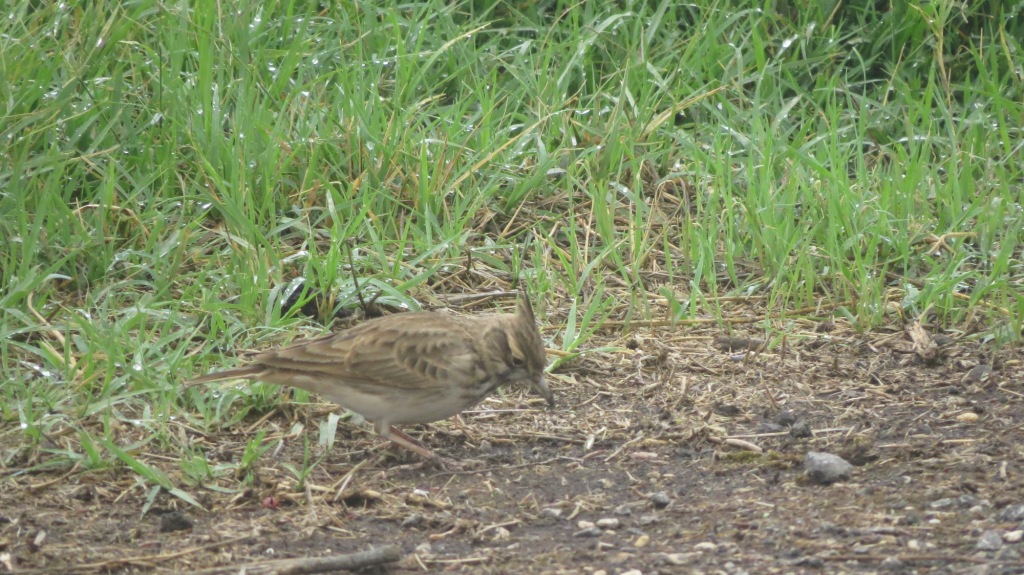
pixel 681 452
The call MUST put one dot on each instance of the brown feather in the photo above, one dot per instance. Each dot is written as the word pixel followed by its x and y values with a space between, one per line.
pixel 410 367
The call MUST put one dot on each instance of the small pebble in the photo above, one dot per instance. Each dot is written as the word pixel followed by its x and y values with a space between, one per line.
pixel 1013 536
pixel 826 468
pixel 174 521
pixel 608 523
pixel 978 374
pixel 551 512
pixel 660 500
pixel 801 430
pixel 632 572
pixel 584 524
pixel 649 519
pixel 623 510
pixel 1012 513
pixel 967 500
pixel 676 558
pixel 785 417
pixel 705 547
pixel 643 540
pixel 968 417
pixel 590 532
pixel 990 540
pixel 500 534
pixel 909 519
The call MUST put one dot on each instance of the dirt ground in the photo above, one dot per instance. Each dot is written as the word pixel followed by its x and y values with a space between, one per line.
pixel 680 452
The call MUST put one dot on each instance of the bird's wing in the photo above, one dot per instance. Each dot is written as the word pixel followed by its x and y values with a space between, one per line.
pixel 412 352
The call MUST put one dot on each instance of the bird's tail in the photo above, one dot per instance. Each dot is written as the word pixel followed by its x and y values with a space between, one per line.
pixel 246 372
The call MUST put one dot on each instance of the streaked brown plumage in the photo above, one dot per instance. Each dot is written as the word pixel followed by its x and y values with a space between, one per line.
pixel 409 367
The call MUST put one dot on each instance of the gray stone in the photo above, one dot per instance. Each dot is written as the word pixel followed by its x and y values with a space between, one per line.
pixel 660 500
pixel 826 468
pixel 1012 512
pixel 990 540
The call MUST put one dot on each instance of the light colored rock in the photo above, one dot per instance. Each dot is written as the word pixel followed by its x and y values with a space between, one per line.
pixel 589 532
pixel 676 558
pixel 706 547
pixel 826 468
pixel 551 512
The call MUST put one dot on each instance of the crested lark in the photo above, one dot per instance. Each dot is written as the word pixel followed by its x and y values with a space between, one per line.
pixel 409 367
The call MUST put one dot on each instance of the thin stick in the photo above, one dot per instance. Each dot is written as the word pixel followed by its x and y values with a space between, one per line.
pixel 310 565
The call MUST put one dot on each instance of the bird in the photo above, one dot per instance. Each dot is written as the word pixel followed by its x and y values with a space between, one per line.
pixel 413 367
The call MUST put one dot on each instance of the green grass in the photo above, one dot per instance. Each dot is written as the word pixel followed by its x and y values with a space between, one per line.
pixel 168 171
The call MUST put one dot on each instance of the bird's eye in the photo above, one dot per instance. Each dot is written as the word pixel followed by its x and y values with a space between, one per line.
pixel 518 362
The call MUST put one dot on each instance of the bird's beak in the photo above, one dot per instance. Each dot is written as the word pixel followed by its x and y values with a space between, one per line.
pixel 541 387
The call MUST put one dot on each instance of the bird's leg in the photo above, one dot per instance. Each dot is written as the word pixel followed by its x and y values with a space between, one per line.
pixel 402 439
